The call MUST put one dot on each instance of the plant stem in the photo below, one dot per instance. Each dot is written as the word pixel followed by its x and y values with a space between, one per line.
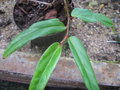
pixel 68 21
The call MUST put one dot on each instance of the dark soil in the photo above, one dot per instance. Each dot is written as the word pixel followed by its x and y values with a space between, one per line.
pixel 93 35
pixel 27 12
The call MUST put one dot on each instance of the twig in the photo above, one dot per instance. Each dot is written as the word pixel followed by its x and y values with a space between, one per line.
pixel 22 10
pixel 68 21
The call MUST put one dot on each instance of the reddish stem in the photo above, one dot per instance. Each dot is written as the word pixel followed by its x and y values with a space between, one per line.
pixel 68 22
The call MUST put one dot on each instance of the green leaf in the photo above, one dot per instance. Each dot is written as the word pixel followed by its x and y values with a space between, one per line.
pixel 45 67
pixel 103 19
pixel 38 29
pixel 89 16
pixel 83 62
pixel 84 14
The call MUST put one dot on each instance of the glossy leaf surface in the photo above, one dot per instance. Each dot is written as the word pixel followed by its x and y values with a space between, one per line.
pixel 38 29
pixel 45 67
pixel 89 16
pixel 83 62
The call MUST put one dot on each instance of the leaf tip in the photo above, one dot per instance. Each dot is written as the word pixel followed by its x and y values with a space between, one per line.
pixel 4 57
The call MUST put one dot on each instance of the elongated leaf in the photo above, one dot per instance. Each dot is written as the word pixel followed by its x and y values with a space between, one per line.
pixel 84 14
pixel 89 16
pixel 83 63
pixel 45 67
pixel 103 19
pixel 38 29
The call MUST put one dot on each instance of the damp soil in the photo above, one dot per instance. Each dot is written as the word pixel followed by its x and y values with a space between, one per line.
pixel 93 35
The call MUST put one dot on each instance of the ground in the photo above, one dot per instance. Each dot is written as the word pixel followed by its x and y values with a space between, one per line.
pixel 93 35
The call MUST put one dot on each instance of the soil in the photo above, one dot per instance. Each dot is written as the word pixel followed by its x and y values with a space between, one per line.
pixel 28 12
pixel 93 35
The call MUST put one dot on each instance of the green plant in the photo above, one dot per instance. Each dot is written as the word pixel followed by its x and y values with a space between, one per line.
pixel 49 59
